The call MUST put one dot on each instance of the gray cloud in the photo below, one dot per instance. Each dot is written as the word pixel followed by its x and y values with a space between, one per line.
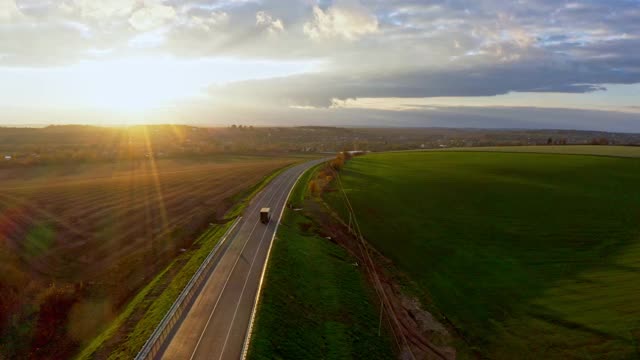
pixel 414 31
pixel 319 90
pixel 467 117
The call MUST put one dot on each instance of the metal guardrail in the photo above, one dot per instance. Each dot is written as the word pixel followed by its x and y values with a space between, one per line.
pixel 156 341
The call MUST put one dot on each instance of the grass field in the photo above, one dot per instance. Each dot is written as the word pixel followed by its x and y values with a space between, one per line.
pixel 618 151
pixel 530 256
pixel 77 242
pixel 315 303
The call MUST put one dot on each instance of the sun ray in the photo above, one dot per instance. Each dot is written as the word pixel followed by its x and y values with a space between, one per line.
pixel 156 179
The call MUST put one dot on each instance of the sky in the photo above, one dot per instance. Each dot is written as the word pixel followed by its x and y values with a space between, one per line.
pixel 445 63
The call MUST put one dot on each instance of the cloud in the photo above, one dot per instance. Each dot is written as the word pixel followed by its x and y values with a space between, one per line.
pixel 152 16
pixel 321 89
pixel 347 19
pixel 42 50
pixel 268 22
pixel 367 48
pixel 148 39
pixel 208 22
pixel 448 117
pixel 9 11
pixel 100 9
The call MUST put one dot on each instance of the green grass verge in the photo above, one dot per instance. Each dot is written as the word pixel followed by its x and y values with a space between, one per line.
pixel 531 256
pixel 158 306
pixel 315 304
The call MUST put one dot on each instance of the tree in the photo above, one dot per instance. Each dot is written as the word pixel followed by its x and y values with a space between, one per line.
pixel 314 188
pixel 337 164
pixel 549 141
pixel 600 141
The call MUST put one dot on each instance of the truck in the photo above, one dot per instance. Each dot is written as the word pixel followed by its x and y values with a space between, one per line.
pixel 265 215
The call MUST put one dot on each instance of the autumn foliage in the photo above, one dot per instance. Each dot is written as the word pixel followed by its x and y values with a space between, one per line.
pixel 338 163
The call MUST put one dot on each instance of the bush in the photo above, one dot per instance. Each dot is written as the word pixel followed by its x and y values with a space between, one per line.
pixel 314 188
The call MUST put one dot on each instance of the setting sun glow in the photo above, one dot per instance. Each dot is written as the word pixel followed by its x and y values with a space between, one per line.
pixel 132 88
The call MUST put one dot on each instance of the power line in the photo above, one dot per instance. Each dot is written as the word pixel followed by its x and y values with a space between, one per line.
pixel 384 300
pixel 371 269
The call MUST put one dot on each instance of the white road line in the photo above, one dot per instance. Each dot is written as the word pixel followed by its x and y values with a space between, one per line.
pixel 256 200
pixel 246 280
pixel 249 210
pixel 247 336
pixel 225 285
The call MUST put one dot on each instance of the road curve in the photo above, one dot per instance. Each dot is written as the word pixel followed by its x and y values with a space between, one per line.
pixel 217 323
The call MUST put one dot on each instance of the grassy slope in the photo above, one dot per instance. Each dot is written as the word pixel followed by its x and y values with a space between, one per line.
pixel 315 303
pixel 622 151
pixel 531 256
pixel 158 307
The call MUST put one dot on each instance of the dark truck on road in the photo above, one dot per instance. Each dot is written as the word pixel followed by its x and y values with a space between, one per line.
pixel 265 215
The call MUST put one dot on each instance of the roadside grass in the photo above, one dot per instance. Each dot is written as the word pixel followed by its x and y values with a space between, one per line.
pixel 530 256
pixel 155 307
pixel 315 303
pixel 602 150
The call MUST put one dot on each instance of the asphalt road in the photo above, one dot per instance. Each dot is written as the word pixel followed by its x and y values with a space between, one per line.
pixel 216 325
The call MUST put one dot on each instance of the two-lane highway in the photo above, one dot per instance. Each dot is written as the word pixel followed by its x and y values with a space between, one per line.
pixel 216 325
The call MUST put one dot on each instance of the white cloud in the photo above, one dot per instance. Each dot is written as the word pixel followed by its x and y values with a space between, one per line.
pixel 100 9
pixel 152 16
pixel 270 23
pixel 149 39
pixel 9 11
pixel 208 23
pixel 346 19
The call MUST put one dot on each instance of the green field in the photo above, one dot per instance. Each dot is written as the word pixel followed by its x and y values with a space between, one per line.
pixel 618 151
pixel 530 256
pixel 315 304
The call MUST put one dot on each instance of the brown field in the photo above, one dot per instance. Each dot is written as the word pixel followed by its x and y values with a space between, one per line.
pixel 100 231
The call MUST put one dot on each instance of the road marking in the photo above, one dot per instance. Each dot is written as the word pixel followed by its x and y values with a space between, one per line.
pixel 247 336
pixel 246 280
pixel 226 282
pixel 256 200
pixel 249 210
